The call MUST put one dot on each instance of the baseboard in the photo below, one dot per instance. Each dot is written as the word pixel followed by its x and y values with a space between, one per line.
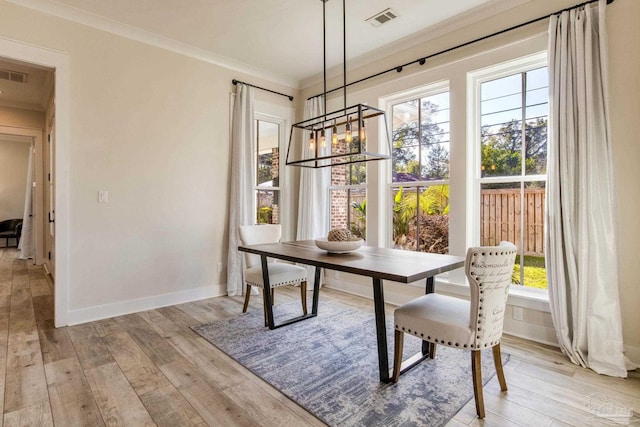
pixel 105 311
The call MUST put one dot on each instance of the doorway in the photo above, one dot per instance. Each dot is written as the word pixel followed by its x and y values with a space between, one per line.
pixel 26 101
pixel 58 64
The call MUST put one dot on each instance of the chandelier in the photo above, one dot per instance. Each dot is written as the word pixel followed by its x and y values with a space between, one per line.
pixel 338 137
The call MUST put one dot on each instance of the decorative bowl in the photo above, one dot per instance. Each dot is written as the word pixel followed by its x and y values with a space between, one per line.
pixel 339 247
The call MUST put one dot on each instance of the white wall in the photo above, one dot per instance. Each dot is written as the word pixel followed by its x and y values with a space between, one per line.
pixel 625 109
pixel 152 128
pixel 14 158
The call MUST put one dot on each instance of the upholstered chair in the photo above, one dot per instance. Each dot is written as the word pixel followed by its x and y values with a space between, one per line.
pixel 280 273
pixel 466 325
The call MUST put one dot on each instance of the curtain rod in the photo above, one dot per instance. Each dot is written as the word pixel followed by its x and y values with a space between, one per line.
pixel 235 82
pixel 423 59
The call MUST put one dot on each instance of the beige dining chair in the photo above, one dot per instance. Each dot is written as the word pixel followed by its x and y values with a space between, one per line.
pixel 280 273
pixel 466 325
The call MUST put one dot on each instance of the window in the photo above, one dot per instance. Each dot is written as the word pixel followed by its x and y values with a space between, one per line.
pixel 267 172
pixel 513 115
pixel 420 172
pixel 348 194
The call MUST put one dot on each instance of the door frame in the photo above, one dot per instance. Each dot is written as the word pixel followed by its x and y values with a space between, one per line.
pixel 38 163
pixel 60 62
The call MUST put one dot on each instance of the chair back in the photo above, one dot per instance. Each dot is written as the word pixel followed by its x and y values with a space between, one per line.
pixel 256 235
pixel 489 270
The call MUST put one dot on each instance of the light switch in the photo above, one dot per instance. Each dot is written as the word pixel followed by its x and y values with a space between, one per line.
pixel 103 196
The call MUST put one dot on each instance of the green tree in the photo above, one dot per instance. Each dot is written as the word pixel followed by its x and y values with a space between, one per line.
pixel 358 226
pixel 425 136
pixel 502 150
pixel 437 164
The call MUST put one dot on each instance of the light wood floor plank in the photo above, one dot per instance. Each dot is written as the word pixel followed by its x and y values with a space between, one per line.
pixel 25 382
pixel 55 343
pixel 156 348
pixel 212 404
pixel 116 399
pixel 72 401
pixel 36 415
pixel 169 408
pixel 143 375
pixel 91 350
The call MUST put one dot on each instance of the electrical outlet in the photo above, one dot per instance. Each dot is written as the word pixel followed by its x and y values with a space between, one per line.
pixel 518 313
pixel 219 267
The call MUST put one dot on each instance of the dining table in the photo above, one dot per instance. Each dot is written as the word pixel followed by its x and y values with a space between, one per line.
pixel 379 264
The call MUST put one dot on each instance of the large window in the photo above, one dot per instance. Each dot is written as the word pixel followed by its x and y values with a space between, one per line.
pixel 267 172
pixel 513 115
pixel 420 173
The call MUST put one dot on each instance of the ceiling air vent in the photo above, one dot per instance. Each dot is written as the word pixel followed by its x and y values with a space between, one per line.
pixel 13 76
pixel 382 17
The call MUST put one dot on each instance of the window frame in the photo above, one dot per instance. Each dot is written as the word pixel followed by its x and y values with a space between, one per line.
pixel 388 103
pixel 474 147
pixel 283 213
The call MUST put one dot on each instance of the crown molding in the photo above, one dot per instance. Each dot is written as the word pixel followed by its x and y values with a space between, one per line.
pixel 59 10
pixel 455 23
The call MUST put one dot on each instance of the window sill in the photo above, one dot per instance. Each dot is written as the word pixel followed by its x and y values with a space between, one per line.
pixel 534 299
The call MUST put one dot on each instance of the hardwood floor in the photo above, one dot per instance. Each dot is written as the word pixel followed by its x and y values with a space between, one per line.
pixel 149 368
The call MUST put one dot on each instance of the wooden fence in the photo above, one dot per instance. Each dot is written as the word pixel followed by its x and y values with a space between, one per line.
pixel 500 218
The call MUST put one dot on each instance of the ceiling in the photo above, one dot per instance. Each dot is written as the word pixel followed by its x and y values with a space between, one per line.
pixel 33 93
pixel 280 40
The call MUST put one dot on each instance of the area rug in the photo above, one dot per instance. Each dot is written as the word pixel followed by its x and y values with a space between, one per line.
pixel 329 366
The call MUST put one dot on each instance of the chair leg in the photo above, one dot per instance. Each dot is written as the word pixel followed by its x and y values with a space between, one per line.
pixel 397 355
pixel 303 296
pixel 247 295
pixel 497 360
pixel 432 351
pixel 476 372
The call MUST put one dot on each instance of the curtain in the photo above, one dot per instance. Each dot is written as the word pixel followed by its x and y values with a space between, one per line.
pixel 313 202
pixel 581 246
pixel 27 247
pixel 241 190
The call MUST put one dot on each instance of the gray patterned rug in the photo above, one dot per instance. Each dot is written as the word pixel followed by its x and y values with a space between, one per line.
pixel 328 365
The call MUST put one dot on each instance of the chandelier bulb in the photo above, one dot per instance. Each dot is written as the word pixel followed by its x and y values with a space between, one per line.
pixel 323 140
pixel 363 132
pixel 347 133
pixel 334 134
pixel 312 141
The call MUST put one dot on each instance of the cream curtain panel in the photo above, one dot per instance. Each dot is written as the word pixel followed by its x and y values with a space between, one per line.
pixel 313 202
pixel 581 239
pixel 243 179
pixel 27 243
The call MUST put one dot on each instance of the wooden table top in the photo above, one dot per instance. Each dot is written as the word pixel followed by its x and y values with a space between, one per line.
pixel 383 263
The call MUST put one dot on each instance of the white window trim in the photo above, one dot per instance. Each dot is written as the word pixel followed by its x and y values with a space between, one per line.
pixel 284 187
pixel 524 296
pixel 386 104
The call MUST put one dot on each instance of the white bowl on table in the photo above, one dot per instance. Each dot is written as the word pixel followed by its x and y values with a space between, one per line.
pixel 339 247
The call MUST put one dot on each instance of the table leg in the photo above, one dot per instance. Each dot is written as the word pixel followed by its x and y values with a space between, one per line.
pixel 381 330
pixel 429 289
pixel 316 291
pixel 266 292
